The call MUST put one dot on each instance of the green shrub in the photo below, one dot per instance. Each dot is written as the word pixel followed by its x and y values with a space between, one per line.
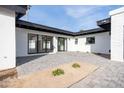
pixel 58 72
pixel 76 65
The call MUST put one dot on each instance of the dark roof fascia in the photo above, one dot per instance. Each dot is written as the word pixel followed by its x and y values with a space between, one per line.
pixel 104 21
pixel 34 26
pixel 16 8
pixel 91 31
pixel 19 9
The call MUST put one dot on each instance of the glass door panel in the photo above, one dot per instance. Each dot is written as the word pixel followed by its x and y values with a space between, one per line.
pixel 32 43
pixel 62 44
pixel 49 44
pixel 40 47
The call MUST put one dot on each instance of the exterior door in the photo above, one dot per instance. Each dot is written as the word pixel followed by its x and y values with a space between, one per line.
pixel 62 44
pixel 47 43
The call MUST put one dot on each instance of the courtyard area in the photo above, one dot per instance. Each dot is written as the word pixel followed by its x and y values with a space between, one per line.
pixel 109 74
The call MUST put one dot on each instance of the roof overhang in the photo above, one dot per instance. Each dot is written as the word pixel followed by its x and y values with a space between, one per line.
pixel 38 27
pixel 42 28
pixel 105 23
pixel 91 31
pixel 20 10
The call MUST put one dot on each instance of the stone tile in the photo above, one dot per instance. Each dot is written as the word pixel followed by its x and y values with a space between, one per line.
pixel 110 73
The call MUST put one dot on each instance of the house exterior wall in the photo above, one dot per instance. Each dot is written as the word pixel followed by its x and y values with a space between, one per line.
pixel 117 34
pixel 22 41
pixel 7 39
pixel 71 44
pixel 102 43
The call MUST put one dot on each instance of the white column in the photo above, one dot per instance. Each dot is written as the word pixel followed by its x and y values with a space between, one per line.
pixel 117 34
pixel 55 46
pixel 7 39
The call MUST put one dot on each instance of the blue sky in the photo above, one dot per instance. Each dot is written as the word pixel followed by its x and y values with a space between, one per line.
pixel 72 18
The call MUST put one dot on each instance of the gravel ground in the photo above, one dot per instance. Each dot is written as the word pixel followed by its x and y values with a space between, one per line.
pixel 45 79
pixel 110 74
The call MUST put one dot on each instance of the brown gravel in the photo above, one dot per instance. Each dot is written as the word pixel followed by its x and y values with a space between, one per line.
pixel 45 79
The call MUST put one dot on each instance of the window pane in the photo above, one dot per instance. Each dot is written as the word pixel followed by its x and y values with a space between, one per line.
pixel 45 43
pixel 49 44
pixel 32 39
pixel 62 44
pixel 90 40
pixel 40 43
pixel 76 41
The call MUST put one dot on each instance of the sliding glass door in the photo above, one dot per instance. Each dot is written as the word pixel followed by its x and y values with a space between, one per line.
pixel 40 40
pixel 32 43
pixel 39 43
pixel 47 43
pixel 62 44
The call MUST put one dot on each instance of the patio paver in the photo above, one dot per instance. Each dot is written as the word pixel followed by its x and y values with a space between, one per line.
pixel 110 74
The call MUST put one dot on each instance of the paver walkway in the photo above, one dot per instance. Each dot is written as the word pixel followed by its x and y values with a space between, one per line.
pixel 110 73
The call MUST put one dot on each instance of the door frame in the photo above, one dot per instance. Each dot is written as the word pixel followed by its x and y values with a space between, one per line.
pixel 65 44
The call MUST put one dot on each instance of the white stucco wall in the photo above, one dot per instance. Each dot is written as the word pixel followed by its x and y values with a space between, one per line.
pixel 22 41
pixel 71 44
pixel 102 43
pixel 7 39
pixel 55 48
pixel 117 34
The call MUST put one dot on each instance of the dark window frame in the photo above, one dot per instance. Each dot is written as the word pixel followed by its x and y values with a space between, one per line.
pixel 28 44
pixel 65 47
pixel 90 40
pixel 76 41
pixel 49 38
pixel 37 44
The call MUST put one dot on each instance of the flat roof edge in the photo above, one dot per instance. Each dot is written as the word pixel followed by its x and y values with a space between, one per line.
pixel 116 11
pixel 38 27
pixel 15 8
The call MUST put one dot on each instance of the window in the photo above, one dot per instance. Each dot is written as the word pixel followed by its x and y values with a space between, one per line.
pixel 76 41
pixel 39 43
pixel 40 40
pixel 62 44
pixel 49 44
pixel 45 43
pixel 90 40
pixel 32 43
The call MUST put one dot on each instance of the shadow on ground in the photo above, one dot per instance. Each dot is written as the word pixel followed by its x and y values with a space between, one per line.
pixel 23 60
pixel 107 56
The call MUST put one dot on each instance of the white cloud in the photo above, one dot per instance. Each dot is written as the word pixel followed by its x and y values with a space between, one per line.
pixel 79 11
pixel 89 22
pixel 85 16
